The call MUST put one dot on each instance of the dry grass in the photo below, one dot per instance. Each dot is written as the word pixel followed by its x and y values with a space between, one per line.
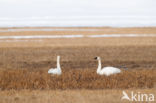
pixel 82 42
pixel 78 42
pixel 133 57
pixel 24 66
pixel 102 30
pixel 68 96
pixel 76 79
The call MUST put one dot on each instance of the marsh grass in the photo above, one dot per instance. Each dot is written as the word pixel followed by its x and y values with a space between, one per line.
pixel 75 79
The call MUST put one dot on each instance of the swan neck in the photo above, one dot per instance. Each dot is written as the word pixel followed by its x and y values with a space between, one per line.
pixel 58 62
pixel 99 65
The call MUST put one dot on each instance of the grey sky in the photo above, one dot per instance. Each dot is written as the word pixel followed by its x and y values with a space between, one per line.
pixel 32 8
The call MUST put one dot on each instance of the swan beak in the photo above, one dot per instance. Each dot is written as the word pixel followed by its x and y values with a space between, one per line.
pixel 95 58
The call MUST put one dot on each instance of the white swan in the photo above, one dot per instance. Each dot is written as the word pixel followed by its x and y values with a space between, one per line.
pixel 106 70
pixel 57 70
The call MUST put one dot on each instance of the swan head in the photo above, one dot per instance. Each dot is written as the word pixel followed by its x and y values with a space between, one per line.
pixel 97 58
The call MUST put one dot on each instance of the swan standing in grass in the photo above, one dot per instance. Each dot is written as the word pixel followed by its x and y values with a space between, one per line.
pixel 106 70
pixel 57 70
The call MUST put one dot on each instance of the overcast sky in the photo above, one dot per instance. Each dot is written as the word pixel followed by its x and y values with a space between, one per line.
pixel 35 8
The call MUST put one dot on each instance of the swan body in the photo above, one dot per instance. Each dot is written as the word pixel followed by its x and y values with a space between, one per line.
pixel 57 70
pixel 106 70
pixel 109 70
pixel 54 71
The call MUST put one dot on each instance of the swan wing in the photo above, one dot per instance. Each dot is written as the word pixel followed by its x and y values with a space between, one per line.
pixel 55 71
pixel 109 70
pixel 51 70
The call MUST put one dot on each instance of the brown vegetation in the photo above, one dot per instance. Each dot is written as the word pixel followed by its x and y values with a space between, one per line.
pixel 99 30
pixel 68 96
pixel 76 79
pixel 133 57
pixel 81 42
pixel 24 66
pixel 70 42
